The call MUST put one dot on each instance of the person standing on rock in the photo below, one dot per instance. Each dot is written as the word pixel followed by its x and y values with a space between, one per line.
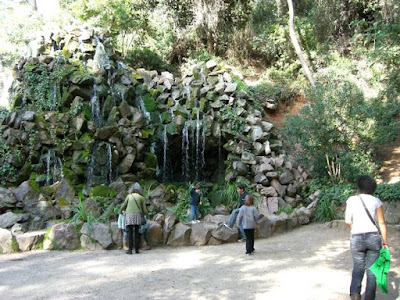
pixel 248 215
pixel 232 219
pixel 366 239
pixel 194 204
pixel 135 205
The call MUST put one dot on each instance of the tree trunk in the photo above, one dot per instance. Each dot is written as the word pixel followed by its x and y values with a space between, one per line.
pixel 296 44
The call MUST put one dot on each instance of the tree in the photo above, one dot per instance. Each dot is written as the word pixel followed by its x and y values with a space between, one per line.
pixel 296 44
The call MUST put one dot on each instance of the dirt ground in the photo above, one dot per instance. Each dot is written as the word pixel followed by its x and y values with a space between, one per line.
pixel 311 262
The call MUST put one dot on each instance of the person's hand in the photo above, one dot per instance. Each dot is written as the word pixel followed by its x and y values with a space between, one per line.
pixel 385 246
pixel 201 203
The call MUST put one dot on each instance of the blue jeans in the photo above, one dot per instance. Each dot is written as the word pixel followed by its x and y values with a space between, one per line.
pixel 232 220
pixel 194 212
pixel 365 251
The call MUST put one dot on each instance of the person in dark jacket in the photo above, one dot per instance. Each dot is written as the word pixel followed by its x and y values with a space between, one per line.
pixel 194 204
pixel 232 219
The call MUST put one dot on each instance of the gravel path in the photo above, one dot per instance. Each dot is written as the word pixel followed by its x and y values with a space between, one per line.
pixel 312 262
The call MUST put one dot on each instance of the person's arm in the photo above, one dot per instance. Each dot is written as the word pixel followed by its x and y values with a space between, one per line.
pixel 382 225
pixel 256 214
pixel 144 208
pixel 348 216
pixel 124 205
pixel 240 216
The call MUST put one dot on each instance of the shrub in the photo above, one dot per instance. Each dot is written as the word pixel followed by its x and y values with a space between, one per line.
pixel 338 124
pixel 388 192
pixel 324 211
pixel 147 59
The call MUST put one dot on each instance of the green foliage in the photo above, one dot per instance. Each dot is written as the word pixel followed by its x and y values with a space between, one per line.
pixel 337 123
pixel 388 192
pixel 324 211
pixel 81 215
pixel 148 59
pixel 103 191
pixel 229 195
pixel 42 87
pixel 285 209
pixel 14 245
pixel 228 115
pixel 274 91
pixel 149 103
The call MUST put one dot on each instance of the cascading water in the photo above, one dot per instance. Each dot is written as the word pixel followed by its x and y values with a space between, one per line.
pixel 142 107
pixel 198 146
pixel 185 152
pixel 53 167
pixel 110 178
pixel 165 152
pixel 101 60
pixel 100 169
pixel 95 107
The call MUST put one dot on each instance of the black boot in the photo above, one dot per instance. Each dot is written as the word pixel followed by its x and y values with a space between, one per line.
pixel 128 251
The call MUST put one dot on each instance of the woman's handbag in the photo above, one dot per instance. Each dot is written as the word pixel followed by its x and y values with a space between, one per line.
pixel 142 218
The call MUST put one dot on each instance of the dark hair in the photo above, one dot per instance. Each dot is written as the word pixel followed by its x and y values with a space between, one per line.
pixel 366 184
pixel 241 186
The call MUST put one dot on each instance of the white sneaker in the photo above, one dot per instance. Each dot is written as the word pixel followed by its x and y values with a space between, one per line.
pixel 193 221
pixel 197 221
pixel 226 225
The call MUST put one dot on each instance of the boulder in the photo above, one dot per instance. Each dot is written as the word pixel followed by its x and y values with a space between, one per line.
pixel 281 189
pixel 201 233
pixel 30 240
pixel 217 219
pixel 7 199
pixel 224 234
pixel 26 194
pixel 6 241
pixel 169 223
pixel 62 236
pixel 180 235
pixel 9 219
pixel 116 235
pixel 286 177
pixel 99 232
pixel 392 212
pixel 154 233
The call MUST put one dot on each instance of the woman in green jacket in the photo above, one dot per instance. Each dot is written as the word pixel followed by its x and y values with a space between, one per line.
pixel 135 204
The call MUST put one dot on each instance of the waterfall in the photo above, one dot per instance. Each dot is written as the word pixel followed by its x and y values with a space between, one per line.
pixel 54 95
pixel 186 90
pixel 197 160
pixel 203 145
pixel 54 167
pixel 95 106
pixel 165 150
pixel 100 169
pixel 48 162
pixel 185 152
pixel 203 76
pixel 91 165
pixel 101 60
pixel 220 161
pixel 110 178
pixel 142 107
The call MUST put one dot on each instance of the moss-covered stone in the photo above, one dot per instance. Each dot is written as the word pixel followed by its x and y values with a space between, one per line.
pixel 150 160
pixel 102 191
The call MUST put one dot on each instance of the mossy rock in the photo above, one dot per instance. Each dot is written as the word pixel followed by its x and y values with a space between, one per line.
pixel 34 184
pixel 103 191
pixel 70 175
pixel 24 173
pixel 146 133
pixel 147 173
pixel 172 129
pixel 150 160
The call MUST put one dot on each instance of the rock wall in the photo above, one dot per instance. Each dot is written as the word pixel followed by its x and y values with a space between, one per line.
pixel 81 118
